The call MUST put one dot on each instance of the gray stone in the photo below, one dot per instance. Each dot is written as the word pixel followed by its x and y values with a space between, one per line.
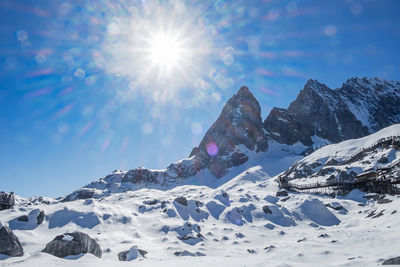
pixel 9 243
pixel 134 251
pixel 181 200
pixel 392 261
pixel 282 193
pixel 40 217
pixel 23 218
pixel 72 244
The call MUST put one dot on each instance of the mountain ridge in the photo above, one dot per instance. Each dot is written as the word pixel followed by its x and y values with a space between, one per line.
pixel 317 117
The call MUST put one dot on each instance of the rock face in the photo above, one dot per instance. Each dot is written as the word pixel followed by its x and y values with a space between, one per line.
pixel 72 244
pixel 392 261
pixel 317 117
pixel 237 130
pixel 239 124
pixel 9 243
pixel 360 107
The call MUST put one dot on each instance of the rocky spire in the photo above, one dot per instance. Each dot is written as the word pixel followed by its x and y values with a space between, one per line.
pixel 238 124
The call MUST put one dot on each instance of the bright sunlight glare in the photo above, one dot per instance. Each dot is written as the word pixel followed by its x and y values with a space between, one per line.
pixel 159 53
pixel 165 51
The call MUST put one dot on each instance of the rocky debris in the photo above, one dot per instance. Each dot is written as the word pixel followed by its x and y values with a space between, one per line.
pixel 269 248
pixel 323 235
pixel 150 202
pixel 282 193
pixel 188 253
pixel 38 214
pixel 392 261
pixel 267 210
pixel 239 235
pixel 133 253
pixel 82 193
pixel 141 175
pixel 9 243
pixel 373 214
pixel 251 251
pixel 72 244
pixel 181 200
pixel 27 222
pixel 336 206
pixel 379 198
pixel 188 233
pixel 223 197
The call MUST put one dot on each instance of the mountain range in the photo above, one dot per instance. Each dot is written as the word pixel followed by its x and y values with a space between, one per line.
pixel 223 204
pixel 317 117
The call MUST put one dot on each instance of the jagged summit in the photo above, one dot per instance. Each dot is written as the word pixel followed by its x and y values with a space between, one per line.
pixel 238 124
pixel 237 131
pixel 318 116
pixel 360 107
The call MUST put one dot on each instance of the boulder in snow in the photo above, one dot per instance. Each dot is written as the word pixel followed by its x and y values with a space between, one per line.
pixel 132 254
pixel 392 261
pixel 72 244
pixel 282 193
pixel 9 243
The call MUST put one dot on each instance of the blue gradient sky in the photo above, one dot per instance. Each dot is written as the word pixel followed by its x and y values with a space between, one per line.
pixel 71 113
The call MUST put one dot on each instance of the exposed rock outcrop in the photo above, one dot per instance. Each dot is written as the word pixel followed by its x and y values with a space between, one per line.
pixel 360 107
pixel 226 144
pixel 72 244
pixel 9 243
pixel 239 124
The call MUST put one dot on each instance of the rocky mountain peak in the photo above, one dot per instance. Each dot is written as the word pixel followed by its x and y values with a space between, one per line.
pixel 360 107
pixel 238 124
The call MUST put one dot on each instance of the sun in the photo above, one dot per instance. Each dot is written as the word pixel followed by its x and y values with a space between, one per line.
pixel 166 50
pixel 159 53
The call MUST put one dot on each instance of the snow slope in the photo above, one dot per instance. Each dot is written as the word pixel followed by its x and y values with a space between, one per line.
pixel 343 161
pixel 241 223
pixel 277 159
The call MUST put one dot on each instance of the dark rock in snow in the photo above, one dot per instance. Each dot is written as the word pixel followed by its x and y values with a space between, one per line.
pixel 150 202
pixel 131 254
pixel 23 218
pixel 282 193
pixel 182 201
pixel 9 243
pixel 267 210
pixel 188 253
pixel 392 261
pixel 40 217
pixel 72 244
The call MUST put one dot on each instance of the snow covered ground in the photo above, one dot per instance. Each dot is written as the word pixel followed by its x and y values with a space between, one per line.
pixel 237 220
pixel 345 160
pixel 241 223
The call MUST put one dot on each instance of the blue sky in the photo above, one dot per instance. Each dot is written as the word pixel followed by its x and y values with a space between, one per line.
pixel 80 98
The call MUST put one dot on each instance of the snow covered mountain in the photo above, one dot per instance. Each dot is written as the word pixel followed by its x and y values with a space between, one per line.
pixel 345 160
pixel 360 107
pixel 246 221
pixel 230 215
pixel 319 116
pixel 237 133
